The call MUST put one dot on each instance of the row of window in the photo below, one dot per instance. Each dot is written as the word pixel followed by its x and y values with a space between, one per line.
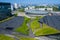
pixel 4 7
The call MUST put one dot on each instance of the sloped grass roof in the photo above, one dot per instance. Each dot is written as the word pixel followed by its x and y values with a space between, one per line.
pixel 46 30
pixel 4 37
pixel 23 28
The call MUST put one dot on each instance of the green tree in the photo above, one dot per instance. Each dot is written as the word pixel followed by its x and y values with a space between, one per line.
pixel 55 9
pixel 39 6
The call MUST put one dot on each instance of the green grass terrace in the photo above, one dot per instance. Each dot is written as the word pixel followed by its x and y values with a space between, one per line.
pixel 23 28
pixel 4 37
pixel 39 31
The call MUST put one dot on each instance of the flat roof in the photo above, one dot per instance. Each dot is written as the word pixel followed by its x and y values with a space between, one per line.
pixel 53 21
pixel 36 12
pixel 5 3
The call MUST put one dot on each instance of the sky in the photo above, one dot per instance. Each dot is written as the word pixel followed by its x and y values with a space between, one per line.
pixel 26 2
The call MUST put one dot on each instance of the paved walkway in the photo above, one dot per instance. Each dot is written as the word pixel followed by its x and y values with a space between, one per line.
pixel 30 30
pixel 10 33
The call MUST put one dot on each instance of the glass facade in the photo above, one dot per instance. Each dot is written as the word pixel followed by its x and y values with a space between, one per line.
pixel 5 10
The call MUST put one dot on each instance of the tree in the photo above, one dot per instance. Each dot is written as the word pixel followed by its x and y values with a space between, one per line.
pixel 55 9
pixel 40 7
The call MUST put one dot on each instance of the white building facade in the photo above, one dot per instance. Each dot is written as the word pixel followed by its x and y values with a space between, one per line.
pixel 44 9
pixel 29 8
pixel 15 5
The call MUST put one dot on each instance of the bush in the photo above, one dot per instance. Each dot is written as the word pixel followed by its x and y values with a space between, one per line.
pixel 15 14
pixel 21 10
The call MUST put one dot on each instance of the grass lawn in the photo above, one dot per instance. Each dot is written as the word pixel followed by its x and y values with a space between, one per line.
pixel 35 24
pixel 3 37
pixel 21 10
pixel 23 28
pixel 26 38
pixel 45 30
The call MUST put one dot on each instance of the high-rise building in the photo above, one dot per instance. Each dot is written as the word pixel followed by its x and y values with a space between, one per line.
pixel 15 5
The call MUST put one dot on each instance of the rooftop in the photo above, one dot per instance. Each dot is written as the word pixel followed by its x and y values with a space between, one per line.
pixel 36 12
pixel 53 21
pixel 5 3
pixel 14 22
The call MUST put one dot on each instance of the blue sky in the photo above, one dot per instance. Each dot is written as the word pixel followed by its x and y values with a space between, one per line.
pixel 32 1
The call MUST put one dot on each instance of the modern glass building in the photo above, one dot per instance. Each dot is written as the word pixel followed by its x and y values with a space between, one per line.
pixel 5 10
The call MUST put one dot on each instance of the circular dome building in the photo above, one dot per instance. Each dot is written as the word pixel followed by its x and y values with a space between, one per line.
pixel 36 13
